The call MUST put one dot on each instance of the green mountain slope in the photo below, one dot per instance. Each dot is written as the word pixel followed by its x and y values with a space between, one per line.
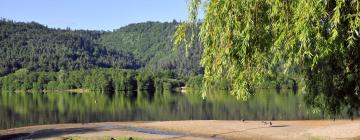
pixel 142 45
pixel 36 47
pixel 151 43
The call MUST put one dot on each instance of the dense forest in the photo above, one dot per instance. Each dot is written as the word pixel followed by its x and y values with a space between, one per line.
pixel 107 80
pixel 38 48
pixel 145 45
pixel 152 44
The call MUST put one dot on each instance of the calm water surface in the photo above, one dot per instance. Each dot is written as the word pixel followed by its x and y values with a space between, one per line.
pixel 22 109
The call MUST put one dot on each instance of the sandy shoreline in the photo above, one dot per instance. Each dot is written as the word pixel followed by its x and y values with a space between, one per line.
pixel 197 129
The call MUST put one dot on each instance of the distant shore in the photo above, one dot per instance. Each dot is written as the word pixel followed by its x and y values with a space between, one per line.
pixel 197 129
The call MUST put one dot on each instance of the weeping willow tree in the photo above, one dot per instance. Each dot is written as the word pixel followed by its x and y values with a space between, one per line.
pixel 244 39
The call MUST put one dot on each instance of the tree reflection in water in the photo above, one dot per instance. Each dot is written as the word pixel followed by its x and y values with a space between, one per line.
pixel 21 109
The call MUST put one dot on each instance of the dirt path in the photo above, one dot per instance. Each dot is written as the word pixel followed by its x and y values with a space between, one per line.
pixel 201 129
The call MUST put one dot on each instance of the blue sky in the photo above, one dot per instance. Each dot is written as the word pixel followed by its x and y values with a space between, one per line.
pixel 93 14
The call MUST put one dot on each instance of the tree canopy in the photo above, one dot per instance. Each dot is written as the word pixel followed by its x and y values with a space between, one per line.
pixel 142 45
pixel 151 44
pixel 38 48
pixel 244 39
pixel 105 80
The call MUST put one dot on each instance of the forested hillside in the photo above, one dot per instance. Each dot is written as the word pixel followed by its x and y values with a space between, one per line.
pixel 152 44
pixel 36 47
pixel 144 45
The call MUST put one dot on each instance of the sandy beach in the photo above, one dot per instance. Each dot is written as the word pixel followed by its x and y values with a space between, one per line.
pixel 197 129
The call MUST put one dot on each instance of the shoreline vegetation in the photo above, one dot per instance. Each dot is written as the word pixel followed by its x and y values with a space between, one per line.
pixel 141 48
pixel 113 80
pixel 107 80
pixel 193 129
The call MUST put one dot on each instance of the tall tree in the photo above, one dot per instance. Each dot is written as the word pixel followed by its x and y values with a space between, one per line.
pixel 244 39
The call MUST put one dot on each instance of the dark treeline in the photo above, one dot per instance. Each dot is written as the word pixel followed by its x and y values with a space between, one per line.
pixel 38 48
pixel 144 45
pixel 94 80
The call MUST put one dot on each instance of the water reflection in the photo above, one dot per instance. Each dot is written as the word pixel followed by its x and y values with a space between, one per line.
pixel 21 109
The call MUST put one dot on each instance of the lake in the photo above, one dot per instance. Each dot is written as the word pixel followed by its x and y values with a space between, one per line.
pixel 23 109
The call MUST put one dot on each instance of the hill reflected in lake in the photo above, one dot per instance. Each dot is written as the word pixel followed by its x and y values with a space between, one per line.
pixel 22 109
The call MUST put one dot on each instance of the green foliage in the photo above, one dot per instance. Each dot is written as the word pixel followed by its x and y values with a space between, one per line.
pixel 171 84
pixel 38 48
pixel 244 40
pixel 94 80
pixel 151 44
pixel 195 82
pixel 145 80
pixel 143 45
